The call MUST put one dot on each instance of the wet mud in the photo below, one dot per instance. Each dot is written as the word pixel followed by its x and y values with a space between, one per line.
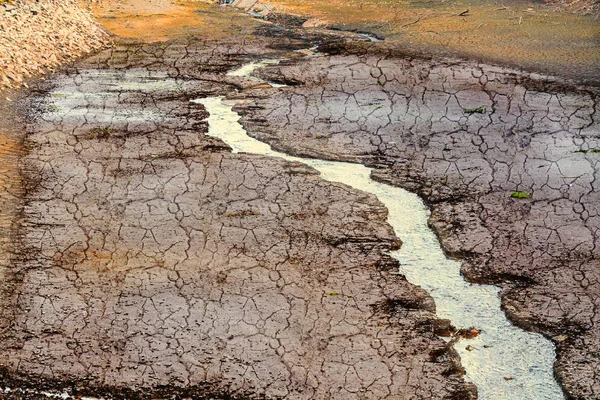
pixel 508 161
pixel 150 261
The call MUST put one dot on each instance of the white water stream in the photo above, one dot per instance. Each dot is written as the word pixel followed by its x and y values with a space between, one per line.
pixel 505 362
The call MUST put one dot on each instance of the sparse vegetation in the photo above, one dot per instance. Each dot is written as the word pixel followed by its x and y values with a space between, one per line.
pixel 520 195
pixel 592 151
pixel 478 110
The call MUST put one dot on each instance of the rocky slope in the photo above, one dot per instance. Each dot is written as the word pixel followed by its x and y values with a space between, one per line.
pixel 36 36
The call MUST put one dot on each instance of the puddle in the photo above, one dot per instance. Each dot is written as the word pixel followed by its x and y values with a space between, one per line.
pixel 90 97
pixel 505 362
pixel 370 36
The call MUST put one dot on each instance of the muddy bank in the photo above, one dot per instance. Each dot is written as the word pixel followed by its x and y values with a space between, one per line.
pixel 44 34
pixel 150 261
pixel 512 33
pixel 507 161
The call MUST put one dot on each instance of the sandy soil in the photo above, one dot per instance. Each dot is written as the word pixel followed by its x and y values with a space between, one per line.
pixel 161 20
pixel 513 33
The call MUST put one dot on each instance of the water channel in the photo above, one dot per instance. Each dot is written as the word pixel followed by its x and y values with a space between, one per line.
pixel 505 362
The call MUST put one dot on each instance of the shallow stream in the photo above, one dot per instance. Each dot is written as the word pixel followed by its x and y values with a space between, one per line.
pixel 505 362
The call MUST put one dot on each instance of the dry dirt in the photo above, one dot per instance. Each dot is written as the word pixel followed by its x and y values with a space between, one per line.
pixel 162 20
pixel 148 260
pixel 514 33
pixel 468 137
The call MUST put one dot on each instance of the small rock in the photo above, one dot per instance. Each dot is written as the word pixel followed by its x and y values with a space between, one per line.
pixel 442 327
pixel 560 338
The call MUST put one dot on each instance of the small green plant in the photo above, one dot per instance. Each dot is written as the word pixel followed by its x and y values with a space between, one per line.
pixel 589 151
pixel 520 195
pixel 478 110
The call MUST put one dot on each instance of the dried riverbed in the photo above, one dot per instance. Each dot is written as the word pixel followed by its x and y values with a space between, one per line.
pixel 504 362
pixel 150 261
pixel 508 162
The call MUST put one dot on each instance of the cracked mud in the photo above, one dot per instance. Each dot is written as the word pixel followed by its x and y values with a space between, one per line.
pixel 471 139
pixel 151 261
pixel 504 361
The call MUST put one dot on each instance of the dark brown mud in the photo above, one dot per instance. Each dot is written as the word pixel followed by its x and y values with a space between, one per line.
pixel 12 128
pixel 150 261
pixel 508 161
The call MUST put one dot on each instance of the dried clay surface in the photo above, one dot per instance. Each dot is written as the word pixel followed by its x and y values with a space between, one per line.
pixel 509 163
pixel 151 261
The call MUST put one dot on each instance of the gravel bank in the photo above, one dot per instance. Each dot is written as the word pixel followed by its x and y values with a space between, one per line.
pixel 40 35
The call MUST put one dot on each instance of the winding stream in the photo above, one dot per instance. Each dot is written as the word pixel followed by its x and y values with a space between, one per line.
pixel 504 361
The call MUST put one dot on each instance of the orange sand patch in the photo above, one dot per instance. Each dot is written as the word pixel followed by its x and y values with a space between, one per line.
pixel 11 189
pixel 518 32
pixel 162 20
